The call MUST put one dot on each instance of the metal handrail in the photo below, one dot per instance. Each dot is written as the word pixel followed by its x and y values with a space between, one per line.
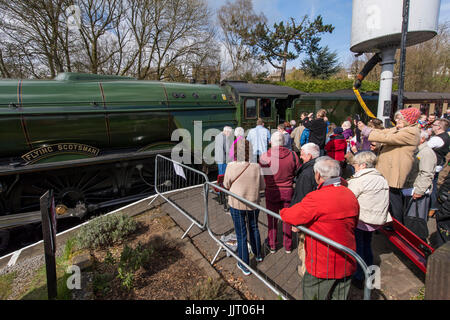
pixel 305 230
pixel 202 226
pixel 226 248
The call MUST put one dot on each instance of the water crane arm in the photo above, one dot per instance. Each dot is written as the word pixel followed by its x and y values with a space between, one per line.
pixel 367 68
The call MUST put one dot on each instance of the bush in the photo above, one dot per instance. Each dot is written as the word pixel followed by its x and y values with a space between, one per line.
pixel 130 261
pixel 105 231
pixel 102 283
pixel 331 85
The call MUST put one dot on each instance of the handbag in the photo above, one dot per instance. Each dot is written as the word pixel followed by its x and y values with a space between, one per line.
pixel 415 223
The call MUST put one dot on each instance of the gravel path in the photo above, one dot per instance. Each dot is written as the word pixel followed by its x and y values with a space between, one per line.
pixel 25 269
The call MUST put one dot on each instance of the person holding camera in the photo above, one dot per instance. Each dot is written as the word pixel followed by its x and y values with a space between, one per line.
pixel 318 129
pixel 396 157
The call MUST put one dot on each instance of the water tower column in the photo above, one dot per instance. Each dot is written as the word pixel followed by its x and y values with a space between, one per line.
pixel 387 75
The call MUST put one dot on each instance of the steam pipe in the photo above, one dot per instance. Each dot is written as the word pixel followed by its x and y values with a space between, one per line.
pixel 367 68
pixel 385 94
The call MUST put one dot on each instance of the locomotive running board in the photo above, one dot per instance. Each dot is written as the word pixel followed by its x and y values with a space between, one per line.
pixel 19 219
pixel 411 245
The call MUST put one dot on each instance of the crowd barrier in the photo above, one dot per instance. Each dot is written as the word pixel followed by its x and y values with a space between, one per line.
pixel 171 176
pixel 204 204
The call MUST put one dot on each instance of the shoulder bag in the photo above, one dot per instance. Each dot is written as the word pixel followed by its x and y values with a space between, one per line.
pixel 248 165
pixel 414 222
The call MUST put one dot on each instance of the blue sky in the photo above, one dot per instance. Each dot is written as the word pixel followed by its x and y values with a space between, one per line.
pixel 335 12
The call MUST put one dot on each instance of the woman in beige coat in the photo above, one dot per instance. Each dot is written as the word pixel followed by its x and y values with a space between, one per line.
pixel 396 156
pixel 372 191
pixel 245 180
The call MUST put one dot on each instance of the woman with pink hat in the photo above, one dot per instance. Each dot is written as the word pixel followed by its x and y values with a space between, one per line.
pixel 397 153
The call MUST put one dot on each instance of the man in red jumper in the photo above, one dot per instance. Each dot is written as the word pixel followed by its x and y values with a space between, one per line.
pixel 332 211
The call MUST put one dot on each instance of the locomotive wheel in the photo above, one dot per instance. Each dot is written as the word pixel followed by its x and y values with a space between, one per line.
pixel 141 181
pixel 70 188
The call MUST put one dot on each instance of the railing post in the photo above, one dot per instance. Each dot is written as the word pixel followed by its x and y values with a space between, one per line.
pixel 437 280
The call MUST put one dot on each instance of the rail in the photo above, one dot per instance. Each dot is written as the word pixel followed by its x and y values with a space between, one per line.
pixel 322 238
pixel 170 175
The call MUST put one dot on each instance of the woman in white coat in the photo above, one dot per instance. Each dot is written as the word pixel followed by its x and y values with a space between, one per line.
pixel 372 191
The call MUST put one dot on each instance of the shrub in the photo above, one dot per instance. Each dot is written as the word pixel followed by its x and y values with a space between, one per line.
pixel 101 283
pixel 130 261
pixel 330 85
pixel 105 231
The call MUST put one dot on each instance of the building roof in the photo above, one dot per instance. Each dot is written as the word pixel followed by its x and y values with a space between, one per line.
pixel 424 95
pixel 243 88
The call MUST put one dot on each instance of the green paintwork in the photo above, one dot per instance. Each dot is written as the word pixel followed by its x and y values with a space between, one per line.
pixel 13 141
pixel 105 112
pixel 339 108
pixel 62 157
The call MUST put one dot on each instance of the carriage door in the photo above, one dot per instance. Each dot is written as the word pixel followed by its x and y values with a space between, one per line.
pixel 281 105
pixel 265 111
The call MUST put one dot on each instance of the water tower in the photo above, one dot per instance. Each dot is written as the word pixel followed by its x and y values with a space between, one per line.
pixel 377 28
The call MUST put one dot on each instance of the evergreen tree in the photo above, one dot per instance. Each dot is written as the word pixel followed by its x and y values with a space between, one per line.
pixel 286 40
pixel 321 64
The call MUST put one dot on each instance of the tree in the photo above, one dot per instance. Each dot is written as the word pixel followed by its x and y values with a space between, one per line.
pixel 427 65
pixel 321 64
pixel 32 33
pixel 147 39
pixel 235 20
pixel 275 45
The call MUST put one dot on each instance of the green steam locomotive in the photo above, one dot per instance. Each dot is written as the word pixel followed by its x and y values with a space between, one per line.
pixel 93 139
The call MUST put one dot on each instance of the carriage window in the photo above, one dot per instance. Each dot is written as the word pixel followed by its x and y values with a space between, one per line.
pixel 250 108
pixel 265 109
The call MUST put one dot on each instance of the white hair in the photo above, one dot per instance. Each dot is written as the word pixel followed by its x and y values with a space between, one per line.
pixel 346 125
pixel 239 131
pixel 227 129
pixel 424 135
pixel 366 157
pixel 277 139
pixel 293 123
pixel 327 167
pixel 312 149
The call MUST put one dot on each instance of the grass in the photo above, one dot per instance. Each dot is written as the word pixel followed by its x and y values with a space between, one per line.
pixel 38 286
pixel 6 282
pixel 420 295
pixel 37 289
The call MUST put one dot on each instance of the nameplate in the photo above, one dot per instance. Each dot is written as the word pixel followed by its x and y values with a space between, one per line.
pixel 60 148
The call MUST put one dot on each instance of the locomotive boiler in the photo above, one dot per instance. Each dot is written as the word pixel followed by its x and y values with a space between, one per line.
pixel 92 139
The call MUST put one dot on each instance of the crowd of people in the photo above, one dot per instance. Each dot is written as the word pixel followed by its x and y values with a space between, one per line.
pixel 343 181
